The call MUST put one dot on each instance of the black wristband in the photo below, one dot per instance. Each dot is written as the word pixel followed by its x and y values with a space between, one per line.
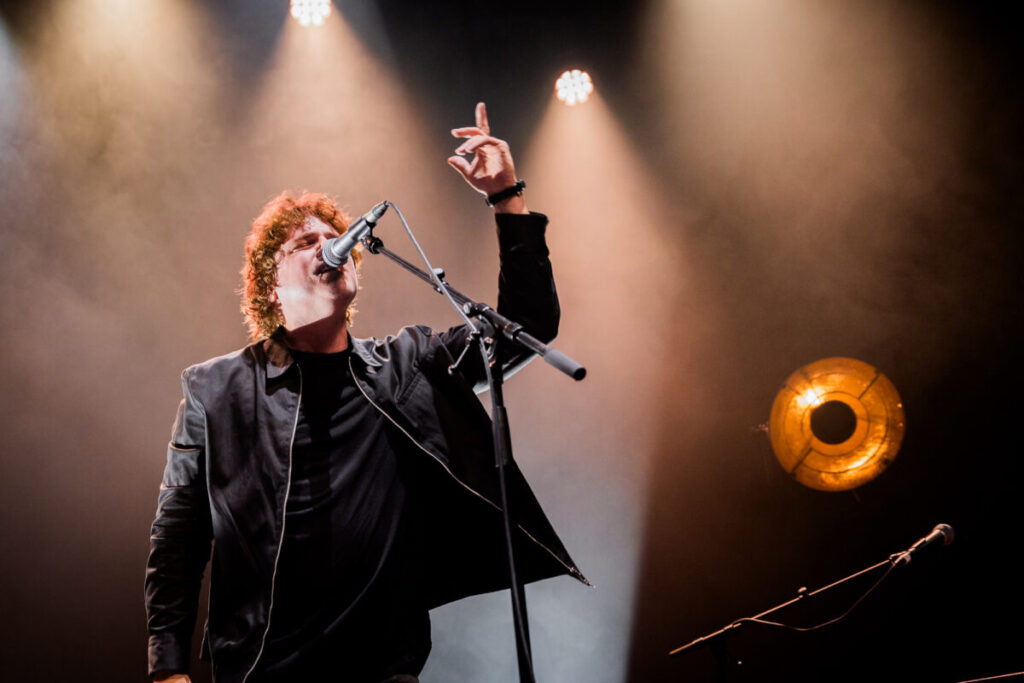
pixel 511 191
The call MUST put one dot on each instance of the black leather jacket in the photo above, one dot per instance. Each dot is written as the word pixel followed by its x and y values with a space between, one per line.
pixel 229 464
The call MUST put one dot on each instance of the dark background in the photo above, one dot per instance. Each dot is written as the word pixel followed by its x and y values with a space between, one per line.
pixel 754 186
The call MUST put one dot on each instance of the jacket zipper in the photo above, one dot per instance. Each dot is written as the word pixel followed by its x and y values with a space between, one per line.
pixel 572 570
pixel 280 543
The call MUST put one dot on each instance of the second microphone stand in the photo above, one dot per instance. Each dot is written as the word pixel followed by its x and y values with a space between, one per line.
pixel 941 531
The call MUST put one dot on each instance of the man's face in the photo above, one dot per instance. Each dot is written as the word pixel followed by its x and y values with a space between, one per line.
pixel 307 289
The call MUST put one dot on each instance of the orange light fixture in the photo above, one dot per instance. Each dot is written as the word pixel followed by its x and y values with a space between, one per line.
pixel 836 424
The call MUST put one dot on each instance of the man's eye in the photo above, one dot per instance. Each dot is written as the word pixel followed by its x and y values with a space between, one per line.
pixel 303 245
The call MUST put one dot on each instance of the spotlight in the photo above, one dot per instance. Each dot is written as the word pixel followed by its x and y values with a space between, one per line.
pixel 311 12
pixel 574 87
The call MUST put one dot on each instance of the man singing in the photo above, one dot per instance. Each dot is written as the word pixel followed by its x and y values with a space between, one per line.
pixel 348 485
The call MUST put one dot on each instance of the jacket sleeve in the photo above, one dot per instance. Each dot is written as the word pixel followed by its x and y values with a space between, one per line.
pixel 526 294
pixel 179 543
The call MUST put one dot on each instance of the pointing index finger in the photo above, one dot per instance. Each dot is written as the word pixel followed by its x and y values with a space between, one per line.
pixel 481 118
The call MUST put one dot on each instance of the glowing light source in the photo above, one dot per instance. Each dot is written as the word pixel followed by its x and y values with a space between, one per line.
pixel 836 424
pixel 574 87
pixel 311 12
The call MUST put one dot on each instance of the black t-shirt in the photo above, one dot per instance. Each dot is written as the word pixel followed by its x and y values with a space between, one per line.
pixel 347 603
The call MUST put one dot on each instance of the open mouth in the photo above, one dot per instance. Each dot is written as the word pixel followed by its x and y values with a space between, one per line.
pixel 322 268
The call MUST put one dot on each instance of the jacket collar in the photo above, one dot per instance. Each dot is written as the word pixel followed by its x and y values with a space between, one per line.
pixel 363 350
pixel 279 359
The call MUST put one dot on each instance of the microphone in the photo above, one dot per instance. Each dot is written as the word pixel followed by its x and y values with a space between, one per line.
pixel 943 531
pixel 335 251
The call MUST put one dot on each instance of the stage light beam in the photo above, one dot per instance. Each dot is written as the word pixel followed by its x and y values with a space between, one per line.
pixel 574 87
pixel 311 12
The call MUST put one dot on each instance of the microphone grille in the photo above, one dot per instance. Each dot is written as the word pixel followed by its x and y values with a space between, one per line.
pixel 947 533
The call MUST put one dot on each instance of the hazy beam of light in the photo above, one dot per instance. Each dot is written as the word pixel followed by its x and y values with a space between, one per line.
pixel 106 109
pixel 619 281
pixel 329 117
pixel 826 132
pixel 127 110
pixel 121 100
pixel 799 104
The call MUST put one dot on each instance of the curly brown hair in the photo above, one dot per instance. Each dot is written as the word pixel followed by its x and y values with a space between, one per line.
pixel 276 222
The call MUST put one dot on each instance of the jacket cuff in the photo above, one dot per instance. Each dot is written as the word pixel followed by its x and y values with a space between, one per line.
pixel 167 653
pixel 521 232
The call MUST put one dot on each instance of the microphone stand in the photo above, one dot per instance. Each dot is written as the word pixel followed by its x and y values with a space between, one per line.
pixel 490 322
pixel 894 560
pixel 801 595
pixel 512 331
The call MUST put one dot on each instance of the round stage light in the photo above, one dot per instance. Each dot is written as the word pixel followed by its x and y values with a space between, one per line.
pixel 311 12
pixel 836 424
pixel 574 87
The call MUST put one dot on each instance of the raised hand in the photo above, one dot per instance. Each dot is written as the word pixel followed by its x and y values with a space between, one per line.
pixel 490 168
